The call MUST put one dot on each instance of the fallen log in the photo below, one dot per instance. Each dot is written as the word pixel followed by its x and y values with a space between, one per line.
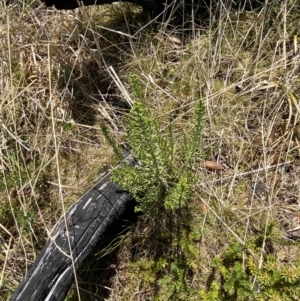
pixel 87 222
pixel 148 5
pixel 154 7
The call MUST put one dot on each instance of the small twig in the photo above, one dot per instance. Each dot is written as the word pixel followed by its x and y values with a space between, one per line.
pixel 118 32
pixel 14 137
pixel 6 255
pixel 119 84
pixel 248 172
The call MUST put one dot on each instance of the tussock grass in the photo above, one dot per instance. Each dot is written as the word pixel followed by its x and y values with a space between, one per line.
pixel 65 73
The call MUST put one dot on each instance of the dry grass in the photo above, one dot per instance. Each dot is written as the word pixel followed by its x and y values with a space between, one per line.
pixel 54 95
pixel 57 87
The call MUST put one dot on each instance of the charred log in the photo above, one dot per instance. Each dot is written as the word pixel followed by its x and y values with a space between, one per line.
pixel 149 5
pixel 155 6
pixel 88 221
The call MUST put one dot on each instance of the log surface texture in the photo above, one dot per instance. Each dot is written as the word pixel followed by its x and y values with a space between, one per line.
pixel 85 224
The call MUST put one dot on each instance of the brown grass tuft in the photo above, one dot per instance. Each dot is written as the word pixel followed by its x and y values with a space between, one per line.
pixel 63 73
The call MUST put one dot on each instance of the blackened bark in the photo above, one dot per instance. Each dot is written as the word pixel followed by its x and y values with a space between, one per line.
pixel 153 6
pixel 88 221
pixel 149 5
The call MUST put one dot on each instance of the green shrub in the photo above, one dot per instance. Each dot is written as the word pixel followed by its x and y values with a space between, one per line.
pixel 164 177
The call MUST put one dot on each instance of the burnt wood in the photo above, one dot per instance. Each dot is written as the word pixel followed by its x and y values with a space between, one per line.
pixel 149 5
pixel 87 222
pixel 155 7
